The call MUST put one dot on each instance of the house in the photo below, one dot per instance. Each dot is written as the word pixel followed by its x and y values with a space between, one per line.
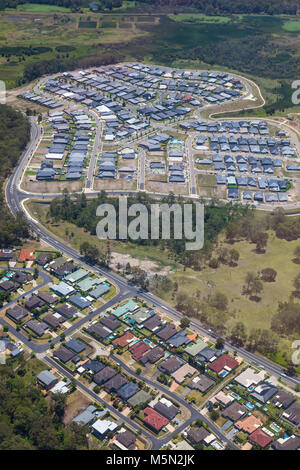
pixel 8 286
pixel 80 301
pixel 184 371
pixel 166 408
pixel 47 297
pixel 154 420
pixel 183 445
pixel 224 362
pixel 93 366
pixel 287 443
pixel 153 355
pixel 263 392
pixel 167 332
pixel 125 440
pixel 170 365
pixel 76 275
pixel 34 302
pixel 110 322
pixel 179 339
pixel 87 416
pixel 102 427
pixel 283 399
pixel 223 398
pixel 207 355
pixel 234 412
pixel 26 255
pixel 292 414
pixel 46 379
pixel 66 310
pixel 198 435
pixel 75 346
pixel 99 331
pixel 138 349
pixel 43 258
pixel 152 323
pixel 63 354
pixel 250 377
pixel 194 348
pixel 139 398
pixel 249 424
pixel 39 328
pixel 53 321
pixel 128 390
pixel 260 438
pixel 124 340
pixel 201 383
pixel 16 313
pixel 104 375
pixel 116 382
pixel 62 289
pixel 130 306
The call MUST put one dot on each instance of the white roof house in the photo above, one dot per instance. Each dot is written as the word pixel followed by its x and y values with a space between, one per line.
pixel 250 377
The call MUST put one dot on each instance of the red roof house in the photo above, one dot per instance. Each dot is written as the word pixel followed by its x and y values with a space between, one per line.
pixel 26 255
pixel 124 340
pixel 139 349
pixel 260 438
pixel 154 419
pixel 223 362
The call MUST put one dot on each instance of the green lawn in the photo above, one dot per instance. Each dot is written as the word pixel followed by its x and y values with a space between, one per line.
pixel 291 26
pixel 198 17
pixel 42 8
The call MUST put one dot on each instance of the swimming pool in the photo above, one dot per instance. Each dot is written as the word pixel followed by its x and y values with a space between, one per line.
pixel 147 341
pixel 275 427
pixel 223 373
pixel 249 406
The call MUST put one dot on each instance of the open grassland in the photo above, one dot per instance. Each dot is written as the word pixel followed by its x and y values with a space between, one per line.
pixel 226 279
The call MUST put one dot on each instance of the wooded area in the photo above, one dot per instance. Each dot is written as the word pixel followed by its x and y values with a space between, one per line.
pixel 14 135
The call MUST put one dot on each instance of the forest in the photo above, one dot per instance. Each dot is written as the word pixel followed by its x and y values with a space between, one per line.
pixel 82 213
pixel 209 7
pixel 14 135
pixel 27 420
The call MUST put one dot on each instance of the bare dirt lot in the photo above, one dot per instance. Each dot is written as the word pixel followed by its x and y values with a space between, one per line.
pixel 149 266
pixel 31 185
pixel 166 188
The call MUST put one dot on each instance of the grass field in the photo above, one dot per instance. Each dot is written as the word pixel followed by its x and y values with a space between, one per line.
pixel 225 279
pixel 198 17
pixel 42 8
pixel 291 26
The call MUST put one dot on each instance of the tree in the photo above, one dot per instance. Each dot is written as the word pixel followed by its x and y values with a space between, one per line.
pixel 214 415
pixel 219 301
pixel 261 239
pixel 220 343
pixel 268 274
pixel 89 251
pixel 297 285
pixel 239 334
pixel 256 288
pixel 233 257
pixel 184 322
pixel 58 405
pixel 297 255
